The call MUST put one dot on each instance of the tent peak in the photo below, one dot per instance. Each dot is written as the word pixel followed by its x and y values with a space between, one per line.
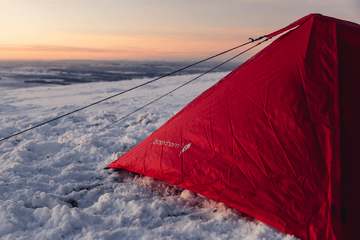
pixel 294 24
pixel 309 17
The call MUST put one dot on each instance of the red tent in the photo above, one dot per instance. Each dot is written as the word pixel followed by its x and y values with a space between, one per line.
pixel 278 138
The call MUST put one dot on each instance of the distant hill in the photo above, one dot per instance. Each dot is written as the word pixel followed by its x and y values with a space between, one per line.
pixel 65 72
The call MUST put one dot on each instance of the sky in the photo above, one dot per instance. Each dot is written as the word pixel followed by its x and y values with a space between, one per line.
pixel 169 30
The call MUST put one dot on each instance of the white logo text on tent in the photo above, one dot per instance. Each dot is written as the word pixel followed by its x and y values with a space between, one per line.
pixel 166 143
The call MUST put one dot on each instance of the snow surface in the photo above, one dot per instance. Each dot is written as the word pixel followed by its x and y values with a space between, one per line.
pixel 52 179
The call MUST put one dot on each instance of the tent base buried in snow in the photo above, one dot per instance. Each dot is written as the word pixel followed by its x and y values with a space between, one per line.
pixel 278 138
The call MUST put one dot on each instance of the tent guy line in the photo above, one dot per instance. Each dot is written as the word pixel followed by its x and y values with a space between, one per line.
pixel 237 55
pixel 133 88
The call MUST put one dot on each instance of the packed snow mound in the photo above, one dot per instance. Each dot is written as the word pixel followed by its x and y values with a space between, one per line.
pixel 53 184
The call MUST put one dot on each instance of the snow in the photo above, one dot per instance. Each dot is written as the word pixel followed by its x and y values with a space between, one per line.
pixel 53 184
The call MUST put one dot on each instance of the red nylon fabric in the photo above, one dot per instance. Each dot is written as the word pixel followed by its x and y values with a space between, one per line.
pixel 266 139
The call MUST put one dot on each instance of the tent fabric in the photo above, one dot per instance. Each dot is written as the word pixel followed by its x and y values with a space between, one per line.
pixel 277 138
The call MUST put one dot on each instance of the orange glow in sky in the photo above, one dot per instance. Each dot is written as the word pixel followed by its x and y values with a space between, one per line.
pixel 104 47
pixel 146 29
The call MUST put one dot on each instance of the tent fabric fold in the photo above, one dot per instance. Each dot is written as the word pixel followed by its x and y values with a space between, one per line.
pixel 277 138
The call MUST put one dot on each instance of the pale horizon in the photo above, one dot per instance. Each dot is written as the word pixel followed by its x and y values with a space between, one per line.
pixel 147 30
